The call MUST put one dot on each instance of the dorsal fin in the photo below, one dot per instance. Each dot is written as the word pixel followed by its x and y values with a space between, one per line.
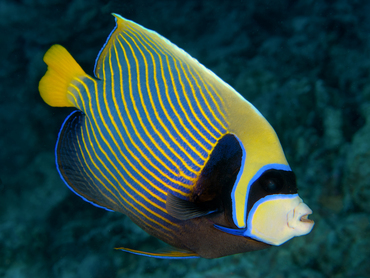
pixel 73 169
pixel 158 43
pixel 122 27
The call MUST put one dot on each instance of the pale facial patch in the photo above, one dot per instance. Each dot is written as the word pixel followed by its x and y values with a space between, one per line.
pixel 275 219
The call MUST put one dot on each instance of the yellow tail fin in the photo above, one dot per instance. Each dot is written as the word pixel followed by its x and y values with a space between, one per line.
pixel 62 69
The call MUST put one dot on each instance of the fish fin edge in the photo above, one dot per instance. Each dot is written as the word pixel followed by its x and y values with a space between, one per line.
pixel 231 231
pixel 62 69
pixel 68 167
pixel 121 25
pixel 170 254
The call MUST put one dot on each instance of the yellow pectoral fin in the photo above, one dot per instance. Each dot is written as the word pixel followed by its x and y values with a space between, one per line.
pixel 62 69
pixel 171 254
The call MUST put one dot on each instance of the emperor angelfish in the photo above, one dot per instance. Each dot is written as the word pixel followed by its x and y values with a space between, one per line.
pixel 163 140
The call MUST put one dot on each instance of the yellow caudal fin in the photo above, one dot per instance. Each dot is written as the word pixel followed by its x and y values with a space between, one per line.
pixel 62 69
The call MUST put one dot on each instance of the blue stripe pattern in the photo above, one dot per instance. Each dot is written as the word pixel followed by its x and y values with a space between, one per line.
pixel 149 124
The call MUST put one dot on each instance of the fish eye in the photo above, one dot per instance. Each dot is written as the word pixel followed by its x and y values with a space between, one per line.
pixel 272 182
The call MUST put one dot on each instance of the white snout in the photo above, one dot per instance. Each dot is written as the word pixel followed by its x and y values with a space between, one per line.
pixel 298 221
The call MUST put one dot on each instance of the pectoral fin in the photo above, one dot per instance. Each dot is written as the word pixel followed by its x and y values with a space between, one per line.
pixel 213 187
pixel 184 210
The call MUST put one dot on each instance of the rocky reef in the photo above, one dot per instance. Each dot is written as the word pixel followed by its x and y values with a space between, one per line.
pixel 304 64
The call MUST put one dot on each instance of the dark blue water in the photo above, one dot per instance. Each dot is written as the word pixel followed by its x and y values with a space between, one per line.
pixel 304 64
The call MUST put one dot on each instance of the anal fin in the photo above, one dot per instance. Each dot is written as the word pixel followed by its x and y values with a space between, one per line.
pixel 172 253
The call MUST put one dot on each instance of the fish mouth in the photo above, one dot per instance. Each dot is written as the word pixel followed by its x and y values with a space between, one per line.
pixel 298 219
pixel 304 218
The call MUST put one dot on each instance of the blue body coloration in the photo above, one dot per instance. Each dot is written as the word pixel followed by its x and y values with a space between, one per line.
pixel 162 139
pixel 69 125
pixel 141 134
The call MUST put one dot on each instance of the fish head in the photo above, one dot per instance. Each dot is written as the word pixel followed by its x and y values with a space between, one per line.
pixel 275 212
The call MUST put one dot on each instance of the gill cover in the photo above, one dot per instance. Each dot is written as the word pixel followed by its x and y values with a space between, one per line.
pixel 261 152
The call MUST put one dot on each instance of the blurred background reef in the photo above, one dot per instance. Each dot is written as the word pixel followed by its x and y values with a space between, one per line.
pixel 304 64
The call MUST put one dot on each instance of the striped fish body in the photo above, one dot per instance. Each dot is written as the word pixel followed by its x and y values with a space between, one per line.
pixel 141 133
pixel 162 139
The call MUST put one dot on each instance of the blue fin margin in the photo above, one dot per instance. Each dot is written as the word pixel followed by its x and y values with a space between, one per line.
pixel 173 254
pixel 69 120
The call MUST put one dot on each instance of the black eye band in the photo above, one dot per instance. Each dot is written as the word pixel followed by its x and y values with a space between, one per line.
pixel 272 182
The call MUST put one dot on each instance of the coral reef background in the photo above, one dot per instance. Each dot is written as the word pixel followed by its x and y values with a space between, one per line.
pixel 304 64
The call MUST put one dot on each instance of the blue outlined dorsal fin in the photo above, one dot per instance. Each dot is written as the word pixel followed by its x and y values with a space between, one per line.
pixel 122 26
pixel 102 56
pixel 158 43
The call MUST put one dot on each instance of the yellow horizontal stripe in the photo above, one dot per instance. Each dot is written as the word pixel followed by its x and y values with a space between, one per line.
pixel 96 187
pixel 178 61
pixel 134 156
pixel 178 99
pixel 85 163
pixel 137 134
pixel 165 142
pixel 92 161
pixel 113 165
pixel 168 116
pixel 159 43
pixel 175 110
pixel 215 93
pixel 118 132
pixel 216 104
pixel 197 102
pixel 124 189
pixel 106 168
pixel 139 116
pixel 121 197
pixel 174 140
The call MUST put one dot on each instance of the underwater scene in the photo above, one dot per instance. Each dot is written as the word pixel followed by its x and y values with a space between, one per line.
pixel 184 139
